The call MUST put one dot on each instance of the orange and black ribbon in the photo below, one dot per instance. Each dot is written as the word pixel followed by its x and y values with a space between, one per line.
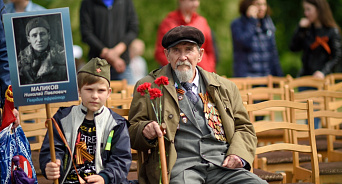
pixel 323 41
pixel 81 153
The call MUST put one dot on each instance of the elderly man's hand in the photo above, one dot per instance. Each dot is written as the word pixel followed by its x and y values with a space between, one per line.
pixel 152 130
pixel 232 162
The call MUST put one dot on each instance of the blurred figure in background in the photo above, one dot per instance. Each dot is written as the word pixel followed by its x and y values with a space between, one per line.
pixel 186 15
pixel 138 63
pixel 16 6
pixel 109 27
pixel 318 36
pixel 255 51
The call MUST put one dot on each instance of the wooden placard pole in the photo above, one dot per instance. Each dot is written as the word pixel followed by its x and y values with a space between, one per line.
pixel 162 155
pixel 51 140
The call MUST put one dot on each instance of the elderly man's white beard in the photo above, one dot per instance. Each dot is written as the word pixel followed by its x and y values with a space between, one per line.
pixel 184 76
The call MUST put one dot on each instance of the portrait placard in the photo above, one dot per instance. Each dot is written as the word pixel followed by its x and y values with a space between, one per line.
pixel 40 56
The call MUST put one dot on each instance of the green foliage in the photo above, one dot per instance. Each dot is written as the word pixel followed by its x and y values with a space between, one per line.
pixel 219 13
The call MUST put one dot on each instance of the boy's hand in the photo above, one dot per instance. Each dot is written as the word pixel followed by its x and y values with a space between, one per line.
pixel 95 179
pixel 52 170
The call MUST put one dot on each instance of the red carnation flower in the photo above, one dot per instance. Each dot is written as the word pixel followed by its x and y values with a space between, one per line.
pixel 143 88
pixel 154 93
pixel 162 81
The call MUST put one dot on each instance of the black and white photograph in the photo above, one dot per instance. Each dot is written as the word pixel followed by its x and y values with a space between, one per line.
pixel 40 56
pixel 40 50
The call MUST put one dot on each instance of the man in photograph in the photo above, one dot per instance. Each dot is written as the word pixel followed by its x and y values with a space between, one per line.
pixel 43 60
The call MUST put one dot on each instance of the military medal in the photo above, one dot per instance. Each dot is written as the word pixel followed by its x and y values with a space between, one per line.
pixel 184 118
pixel 180 91
pixel 213 117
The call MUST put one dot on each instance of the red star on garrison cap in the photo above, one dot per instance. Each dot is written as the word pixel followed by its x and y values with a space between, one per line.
pixel 98 70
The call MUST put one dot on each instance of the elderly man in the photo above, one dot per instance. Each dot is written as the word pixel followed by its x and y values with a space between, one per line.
pixel 209 138
pixel 43 60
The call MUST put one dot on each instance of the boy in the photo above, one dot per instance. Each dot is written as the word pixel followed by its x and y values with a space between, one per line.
pixel 99 131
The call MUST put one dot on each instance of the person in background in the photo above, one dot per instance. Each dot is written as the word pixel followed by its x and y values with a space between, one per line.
pixel 255 51
pixel 186 15
pixel 208 136
pixel 16 6
pixel 109 27
pixel 318 36
pixel 5 80
pixel 97 136
pixel 138 63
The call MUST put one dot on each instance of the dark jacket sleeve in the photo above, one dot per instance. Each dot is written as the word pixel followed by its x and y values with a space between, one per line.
pixel 88 16
pixel 4 67
pixel 243 30
pixel 133 24
pixel 297 42
pixel 336 52
pixel 87 26
pixel 117 160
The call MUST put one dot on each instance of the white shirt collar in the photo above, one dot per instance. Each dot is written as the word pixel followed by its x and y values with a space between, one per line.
pixel 196 79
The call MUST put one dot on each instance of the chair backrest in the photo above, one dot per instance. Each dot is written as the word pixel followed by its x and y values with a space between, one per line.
pixel 333 86
pixel 293 127
pixel 118 85
pixel 324 101
pixel 240 82
pixel 244 83
pixel 119 100
pixel 334 77
pixel 332 116
pixel 258 94
pixel 305 81
pixel 130 90
pixel 32 120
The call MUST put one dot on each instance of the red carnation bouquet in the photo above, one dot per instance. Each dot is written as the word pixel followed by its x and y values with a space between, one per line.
pixel 154 94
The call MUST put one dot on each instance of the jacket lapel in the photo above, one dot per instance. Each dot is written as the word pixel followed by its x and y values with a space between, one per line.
pixel 185 107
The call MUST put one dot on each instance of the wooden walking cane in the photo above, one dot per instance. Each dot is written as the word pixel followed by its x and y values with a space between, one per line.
pixel 51 140
pixel 162 155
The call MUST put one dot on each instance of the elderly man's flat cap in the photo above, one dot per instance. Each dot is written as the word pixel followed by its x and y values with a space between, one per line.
pixel 182 34
pixel 37 22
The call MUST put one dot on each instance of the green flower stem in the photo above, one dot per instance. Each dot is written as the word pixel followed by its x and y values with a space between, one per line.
pixel 155 111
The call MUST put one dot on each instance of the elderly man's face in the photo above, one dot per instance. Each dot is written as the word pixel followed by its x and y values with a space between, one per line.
pixel 39 38
pixel 183 58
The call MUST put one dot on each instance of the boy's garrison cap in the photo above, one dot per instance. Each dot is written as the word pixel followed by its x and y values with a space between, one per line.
pixel 98 67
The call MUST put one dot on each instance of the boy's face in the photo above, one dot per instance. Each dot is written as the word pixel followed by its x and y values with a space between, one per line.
pixel 94 96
